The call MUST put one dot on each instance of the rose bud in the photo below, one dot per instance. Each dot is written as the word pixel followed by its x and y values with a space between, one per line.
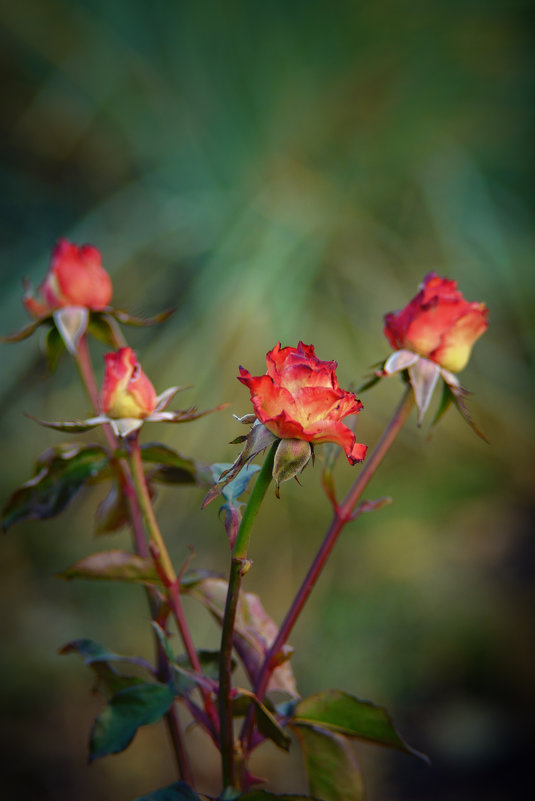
pixel 299 399
pixel 126 391
pixel 75 278
pixel 438 324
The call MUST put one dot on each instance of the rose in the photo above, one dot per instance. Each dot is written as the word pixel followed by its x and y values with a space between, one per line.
pixel 126 391
pixel 438 324
pixel 75 278
pixel 299 399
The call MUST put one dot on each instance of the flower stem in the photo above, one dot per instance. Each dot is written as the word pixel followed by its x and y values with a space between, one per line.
pixel 165 567
pixel 343 514
pixel 145 504
pixel 238 566
pixel 85 368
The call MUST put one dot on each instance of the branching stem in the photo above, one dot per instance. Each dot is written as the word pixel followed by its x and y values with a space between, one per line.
pixel 343 514
pixel 238 566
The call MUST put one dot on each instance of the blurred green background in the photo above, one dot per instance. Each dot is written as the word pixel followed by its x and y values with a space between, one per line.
pixel 282 170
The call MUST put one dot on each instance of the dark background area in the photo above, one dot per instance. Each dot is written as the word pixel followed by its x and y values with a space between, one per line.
pixel 282 171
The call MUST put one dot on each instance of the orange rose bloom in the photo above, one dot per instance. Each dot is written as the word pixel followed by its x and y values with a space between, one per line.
pixel 126 391
pixel 438 324
pixel 75 278
pixel 299 398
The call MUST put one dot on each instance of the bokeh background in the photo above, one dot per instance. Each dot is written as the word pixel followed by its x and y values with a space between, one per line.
pixel 282 170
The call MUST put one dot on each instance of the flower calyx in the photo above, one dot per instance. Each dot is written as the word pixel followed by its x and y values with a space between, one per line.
pixel 291 458
pixel 128 399
pixel 74 298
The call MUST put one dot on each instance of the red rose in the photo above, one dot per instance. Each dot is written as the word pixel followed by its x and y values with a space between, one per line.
pixel 126 391
pixel 299 398
pixel 438 324
pixel 75 278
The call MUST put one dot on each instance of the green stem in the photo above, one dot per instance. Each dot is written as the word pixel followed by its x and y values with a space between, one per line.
pixel 343 515
pixel 238 566
pixel 165 567
pixel 145 504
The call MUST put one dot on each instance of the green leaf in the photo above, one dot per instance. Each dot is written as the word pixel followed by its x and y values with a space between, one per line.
pixel 184 678
pixel 60 474
pixel 254 631
pixel 113 565
pixel 112 513
pixel 331 765
pixel 112 681
pixel 265 720
pixel 98 658
pixel 116 726
pixel 238 485
pixel 179 791
pixel 92 652
pixel 231 492
pixel 172 467
pixel 345 714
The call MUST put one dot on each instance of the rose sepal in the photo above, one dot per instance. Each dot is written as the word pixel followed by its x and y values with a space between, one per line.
pixel 123 426
pixel 258 439
pixel 423 376
pixel 72 322
pixel 26 331
pixel 291 458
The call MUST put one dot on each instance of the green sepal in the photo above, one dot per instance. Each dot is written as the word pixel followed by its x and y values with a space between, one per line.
pixel 258 439
pixel 28 330
pixel 179 791
pixel 70 426
pixel 343 713
pixel 446 400
pixel 116 726
pixel 103 327
pixel 172 467
pixel 54 348
pixel 291 458
pixel 60 473
pixel 458 396
pixel 372 379
pixel 331 765
pixel 140 322
pixel 114 565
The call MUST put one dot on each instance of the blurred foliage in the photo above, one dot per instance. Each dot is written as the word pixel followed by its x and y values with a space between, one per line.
pixel 282 170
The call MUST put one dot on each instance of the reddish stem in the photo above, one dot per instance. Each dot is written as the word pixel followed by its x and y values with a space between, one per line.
pixel 343 514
